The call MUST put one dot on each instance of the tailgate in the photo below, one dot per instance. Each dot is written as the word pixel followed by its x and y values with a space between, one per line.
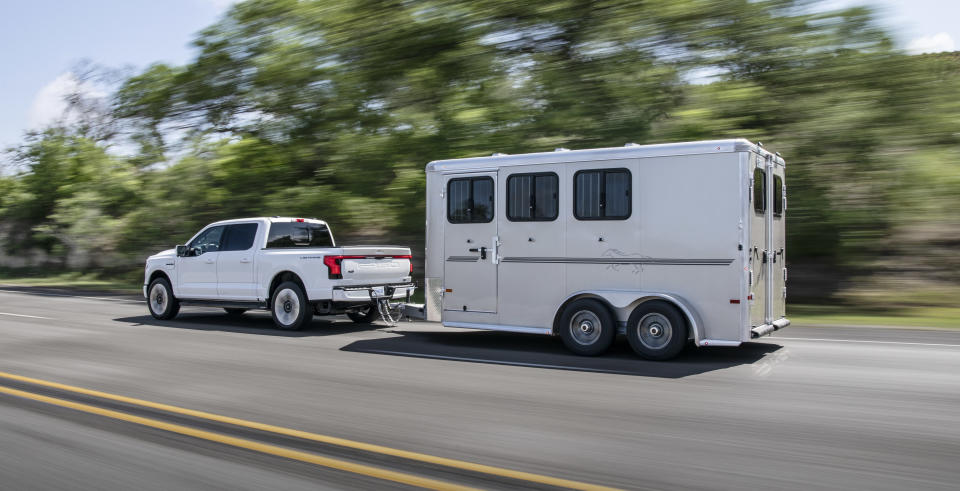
pixel 370 265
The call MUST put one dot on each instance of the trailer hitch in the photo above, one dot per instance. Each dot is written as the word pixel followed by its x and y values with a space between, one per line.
pixel 390 313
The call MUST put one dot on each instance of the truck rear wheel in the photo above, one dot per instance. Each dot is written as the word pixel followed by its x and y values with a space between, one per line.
pixel 587 327
pixel 289 307
pixel 365 316
pixel 160 300
pixel 657 330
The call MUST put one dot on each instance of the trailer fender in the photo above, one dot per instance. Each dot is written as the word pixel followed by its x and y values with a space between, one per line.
pixel 622 302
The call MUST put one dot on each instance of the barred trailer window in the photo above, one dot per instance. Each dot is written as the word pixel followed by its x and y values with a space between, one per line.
pixel 470 200
pixel 532 197
pixel 602 194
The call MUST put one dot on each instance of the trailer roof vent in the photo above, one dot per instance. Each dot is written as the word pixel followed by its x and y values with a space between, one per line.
pixel 631 144
pixel 498 154
pixel 561 149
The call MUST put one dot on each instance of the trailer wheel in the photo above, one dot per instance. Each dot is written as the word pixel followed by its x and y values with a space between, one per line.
pixel 289 307
pixel 161 302
pixel 364 316
pixel 657 330
pixel 232 312
pixel 587 327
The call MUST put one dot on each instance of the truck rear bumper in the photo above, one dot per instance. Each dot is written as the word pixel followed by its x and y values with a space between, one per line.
pixel 765 329
pixel 361 293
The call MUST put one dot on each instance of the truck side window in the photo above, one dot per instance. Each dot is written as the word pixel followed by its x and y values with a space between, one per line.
pixel 532 197
pixel 470 200
pixel 602 194
pixel 239 237
pixel 777 196
pixel 759 190
pixel 208 240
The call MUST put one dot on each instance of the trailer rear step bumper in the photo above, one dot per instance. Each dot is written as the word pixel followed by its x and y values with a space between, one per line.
pixel 765 329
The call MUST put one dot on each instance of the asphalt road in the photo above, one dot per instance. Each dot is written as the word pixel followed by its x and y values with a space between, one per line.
pixel 809 408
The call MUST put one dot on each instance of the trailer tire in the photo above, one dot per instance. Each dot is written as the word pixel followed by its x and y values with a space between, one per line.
pixel 289 307
pixel 587 327
pixel 160 300
pixel 234 312
pixel 368 317
pixel 657 330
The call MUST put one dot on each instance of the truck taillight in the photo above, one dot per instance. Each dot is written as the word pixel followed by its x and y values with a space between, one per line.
pixel 408 258
pixel 333 265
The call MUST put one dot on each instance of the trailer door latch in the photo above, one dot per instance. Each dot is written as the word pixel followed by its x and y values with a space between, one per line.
pixel 482 251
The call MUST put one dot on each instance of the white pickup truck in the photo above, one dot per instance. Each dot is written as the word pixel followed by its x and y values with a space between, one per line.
pixel 290 266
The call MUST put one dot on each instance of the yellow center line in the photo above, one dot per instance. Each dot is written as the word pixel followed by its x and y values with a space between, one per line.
pixel 368 447
pixel 342 465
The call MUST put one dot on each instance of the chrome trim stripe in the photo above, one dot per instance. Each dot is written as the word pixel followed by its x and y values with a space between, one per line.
pixel 463 259
pixel 622 260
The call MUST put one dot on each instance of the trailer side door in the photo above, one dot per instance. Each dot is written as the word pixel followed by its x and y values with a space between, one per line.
pixel 470 244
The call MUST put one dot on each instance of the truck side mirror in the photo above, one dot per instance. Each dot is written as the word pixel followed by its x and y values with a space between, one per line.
pixel 181 250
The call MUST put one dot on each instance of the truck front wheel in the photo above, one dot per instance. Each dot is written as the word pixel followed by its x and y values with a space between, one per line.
pixel 160 300
pixel 289 307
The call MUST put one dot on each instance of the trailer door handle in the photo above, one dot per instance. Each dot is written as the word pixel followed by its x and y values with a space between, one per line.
pixel 482 251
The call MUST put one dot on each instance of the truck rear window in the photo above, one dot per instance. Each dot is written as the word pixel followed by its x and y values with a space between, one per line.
pixel 298 234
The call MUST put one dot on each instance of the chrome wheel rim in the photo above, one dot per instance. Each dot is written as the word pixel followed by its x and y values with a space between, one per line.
pixel 654 331
pixel 158 298
pixel 585 327
pixel 286 306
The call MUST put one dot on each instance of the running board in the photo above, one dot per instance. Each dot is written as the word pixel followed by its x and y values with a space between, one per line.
pixel 765 329
pixel 226 304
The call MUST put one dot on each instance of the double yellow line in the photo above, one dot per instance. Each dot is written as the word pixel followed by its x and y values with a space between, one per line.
pixel 343 465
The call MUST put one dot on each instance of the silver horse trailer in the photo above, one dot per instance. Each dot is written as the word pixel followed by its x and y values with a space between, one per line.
pixel 666 243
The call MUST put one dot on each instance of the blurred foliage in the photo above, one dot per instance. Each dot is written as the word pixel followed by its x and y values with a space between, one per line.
pixel 331 109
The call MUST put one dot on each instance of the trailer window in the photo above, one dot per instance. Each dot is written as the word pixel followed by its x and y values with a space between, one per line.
pixel 532 197
pixel 777 196
pixel 470 200
pixel 759 190
pixel 602 194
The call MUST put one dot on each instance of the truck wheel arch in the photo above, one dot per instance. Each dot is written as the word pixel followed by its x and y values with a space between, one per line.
pixel 280 278
pixel 616 300
pixel 158 273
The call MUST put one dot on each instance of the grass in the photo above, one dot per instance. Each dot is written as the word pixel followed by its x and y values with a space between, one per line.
pixel 918 316
pixel 75 280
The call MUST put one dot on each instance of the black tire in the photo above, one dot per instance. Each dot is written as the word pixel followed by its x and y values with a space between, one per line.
pixel 233 312
pixel 365 317
pixel 289 307
pixel 587 327
pixel 160 300
pixel 657 330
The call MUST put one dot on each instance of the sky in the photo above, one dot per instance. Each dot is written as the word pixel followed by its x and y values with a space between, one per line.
pixel 42 40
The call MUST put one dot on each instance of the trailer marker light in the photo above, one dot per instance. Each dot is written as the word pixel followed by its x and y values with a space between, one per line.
pixel 449 290
pixel 750 297
pixel 734 300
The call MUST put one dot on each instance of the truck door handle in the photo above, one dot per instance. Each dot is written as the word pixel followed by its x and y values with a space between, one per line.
pixel 245 260
pixel 482 251
pixel 210 261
